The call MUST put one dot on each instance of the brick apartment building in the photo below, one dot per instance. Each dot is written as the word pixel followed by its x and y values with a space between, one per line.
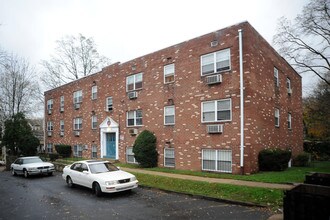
pixel 188 95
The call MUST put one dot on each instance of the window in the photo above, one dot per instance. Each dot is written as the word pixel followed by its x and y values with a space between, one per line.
pixel 134 82
pixel 288 85
pixel 169 115
pixel 277 117
pixel 94 151
pixel 49 148
pixel 134 118
pixel 77 97
pixel 49 126
pixel 215 62
pixel 217 160
pixel 169 157
pixel 61 125
pixel 276 80
pixel 130 155
pixel 169 71
pixel 94 122
pixel 109 104
pixel 215 111
pixel 94 92
pixel 62 103
pixel 77 150
pixel 289 121
pixel 77 123
pixel 50 105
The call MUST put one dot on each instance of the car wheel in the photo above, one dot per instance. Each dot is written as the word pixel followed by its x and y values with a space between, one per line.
pixel 69 182
pixel 13 172
pixel 97 189
pixel 26 174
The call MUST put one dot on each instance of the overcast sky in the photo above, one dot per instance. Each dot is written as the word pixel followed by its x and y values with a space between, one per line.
pixel 126 29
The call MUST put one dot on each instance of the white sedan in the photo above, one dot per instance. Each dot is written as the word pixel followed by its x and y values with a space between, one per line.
pixel 31 166
pixel 101 176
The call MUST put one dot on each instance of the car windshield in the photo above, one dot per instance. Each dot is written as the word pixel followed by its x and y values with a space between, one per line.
pixel 32 160
pixel 102 167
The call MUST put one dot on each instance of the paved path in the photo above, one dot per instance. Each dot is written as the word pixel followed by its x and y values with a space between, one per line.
pixel 213 180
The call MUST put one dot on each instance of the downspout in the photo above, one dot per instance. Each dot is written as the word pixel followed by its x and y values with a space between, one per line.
pixel 241 99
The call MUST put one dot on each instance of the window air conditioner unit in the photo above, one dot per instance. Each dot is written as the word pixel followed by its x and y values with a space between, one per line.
pixel 77 133
pixel 62 133
pixel 76 105
pixel 133 131
pixel 62 109
pixel 289 91
pixel 49 111
pixel 132 95
pixel 49 133
pixel 213 79
pixel 214 129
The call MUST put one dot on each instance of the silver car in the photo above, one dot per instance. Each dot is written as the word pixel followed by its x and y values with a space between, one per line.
pixel 31 166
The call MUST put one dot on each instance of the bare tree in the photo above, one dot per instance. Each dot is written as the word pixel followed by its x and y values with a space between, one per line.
pixel 75 57
pixel 19 89
pixel 306 42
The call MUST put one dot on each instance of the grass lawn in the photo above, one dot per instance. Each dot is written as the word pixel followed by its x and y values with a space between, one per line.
pixel 271 198
pixel 291 175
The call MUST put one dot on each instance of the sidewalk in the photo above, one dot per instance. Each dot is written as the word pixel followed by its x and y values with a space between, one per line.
pixel 213 180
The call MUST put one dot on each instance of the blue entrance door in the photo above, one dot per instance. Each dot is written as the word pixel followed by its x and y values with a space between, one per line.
pixel 111 145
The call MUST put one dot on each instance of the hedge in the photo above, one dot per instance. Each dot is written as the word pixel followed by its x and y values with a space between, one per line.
pixel 273 159
pixel 63 150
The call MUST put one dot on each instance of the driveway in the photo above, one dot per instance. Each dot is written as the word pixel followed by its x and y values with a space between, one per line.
pixel 49 198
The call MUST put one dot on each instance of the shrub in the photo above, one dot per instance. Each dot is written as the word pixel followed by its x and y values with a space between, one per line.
pixel 63 150
pixel 273 159
pixel 301 160
pixel 144 149
pixel 53 156
pixel 318 150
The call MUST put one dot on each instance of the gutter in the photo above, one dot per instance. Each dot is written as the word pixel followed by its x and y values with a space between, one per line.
pixel 241 99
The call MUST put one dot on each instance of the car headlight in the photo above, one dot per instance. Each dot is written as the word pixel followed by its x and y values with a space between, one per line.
pixel 31 169
pixel 108 183
pixel 133 179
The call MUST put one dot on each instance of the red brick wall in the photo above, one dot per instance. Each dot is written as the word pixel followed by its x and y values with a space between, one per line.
pixel 188 136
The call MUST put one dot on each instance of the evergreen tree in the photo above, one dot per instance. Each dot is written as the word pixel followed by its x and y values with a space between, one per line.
pixel 145 149
pixel 18 136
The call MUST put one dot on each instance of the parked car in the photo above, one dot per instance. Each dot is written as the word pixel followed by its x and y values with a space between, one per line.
pixel 100 176
pixel 31 166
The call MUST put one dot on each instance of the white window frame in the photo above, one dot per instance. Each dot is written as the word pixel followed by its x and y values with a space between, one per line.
pixel 277 116
pixel 218 158
pixel 169 153
pixel 94 151
pixel 77 97
pixel 135 118
pixel 289 121
pixel 49 146
pixel 50 104
pixel 94 121
pixel 61 125
pixel 62 101
pixel 216 110
pixel 168 73
pixel 77 124
pixel 109 105
pixel 216 54
pixel 134 79
pixel 276 78
pixel 166 115
pixel 50 126
pixel 77 150
pixel 130 153
pixel 94 92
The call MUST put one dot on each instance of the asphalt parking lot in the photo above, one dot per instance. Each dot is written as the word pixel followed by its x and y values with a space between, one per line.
pixel 43 197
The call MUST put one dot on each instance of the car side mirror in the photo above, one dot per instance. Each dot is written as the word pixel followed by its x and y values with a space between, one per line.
pixel 85 172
